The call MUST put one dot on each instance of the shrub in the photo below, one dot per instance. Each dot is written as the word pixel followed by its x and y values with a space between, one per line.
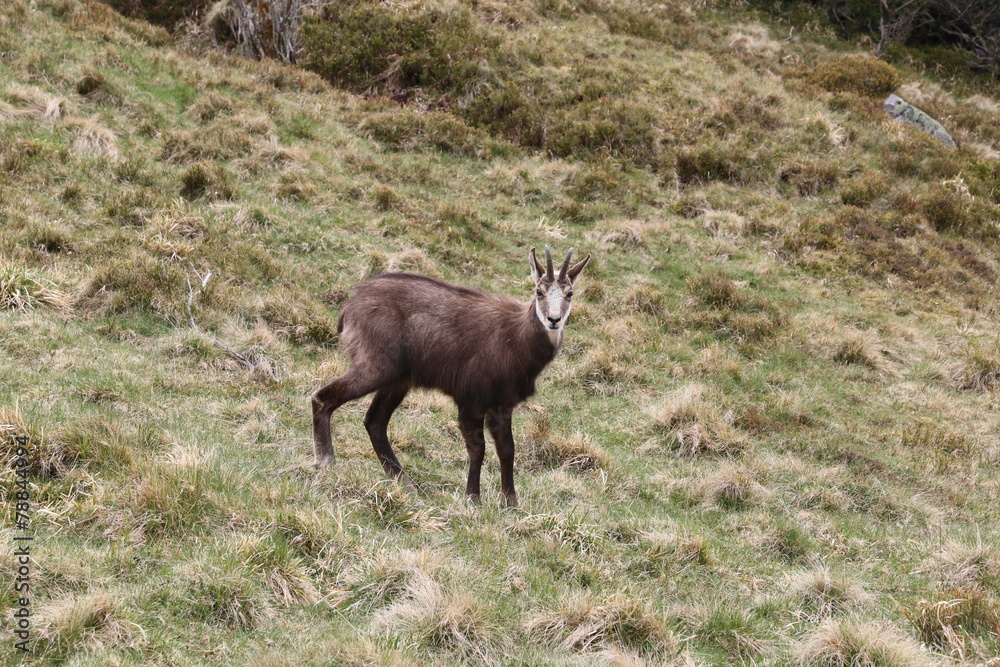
pixel 509 111
pixel 863 75
pixel 863 189
pixel 618 128
pixel 362 46
pixel 811 177
pixel 950 209
pixel 715 161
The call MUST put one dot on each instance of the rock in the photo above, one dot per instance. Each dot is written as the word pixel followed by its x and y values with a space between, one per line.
pixel 904 111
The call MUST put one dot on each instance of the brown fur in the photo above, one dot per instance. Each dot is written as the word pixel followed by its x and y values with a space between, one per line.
pixel 402 331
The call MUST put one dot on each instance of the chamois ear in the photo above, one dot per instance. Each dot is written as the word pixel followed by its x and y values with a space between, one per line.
pixel 537 270
pixel 575 270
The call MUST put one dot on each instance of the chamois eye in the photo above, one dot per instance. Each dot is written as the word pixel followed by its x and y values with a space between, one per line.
pixel 539 293
pixel 569 295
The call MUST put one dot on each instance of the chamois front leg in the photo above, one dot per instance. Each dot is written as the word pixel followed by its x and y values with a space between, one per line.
pixel 499 423
pixel 470 423
pixel 325 400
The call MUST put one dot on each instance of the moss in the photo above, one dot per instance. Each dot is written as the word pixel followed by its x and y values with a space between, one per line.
pixel 863 75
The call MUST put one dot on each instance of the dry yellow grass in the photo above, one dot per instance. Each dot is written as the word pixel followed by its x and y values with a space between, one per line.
pixel 95 139
pixel 583 622
pixel 693 425
pixel 452 620
pixel 828 591
pixel 855 642
pixel 23 288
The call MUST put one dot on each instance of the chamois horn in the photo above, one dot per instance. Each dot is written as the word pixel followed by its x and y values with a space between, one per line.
pixel 548 264
pixel 565 266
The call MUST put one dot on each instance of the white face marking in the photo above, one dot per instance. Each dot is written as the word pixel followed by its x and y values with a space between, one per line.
pixel 553 316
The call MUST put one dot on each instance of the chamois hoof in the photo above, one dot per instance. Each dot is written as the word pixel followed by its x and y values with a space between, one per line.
pixel 324 461
pixel 408 484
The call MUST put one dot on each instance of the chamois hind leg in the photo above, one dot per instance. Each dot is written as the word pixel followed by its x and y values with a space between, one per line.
pixel 498 421
pixel 348 387
pixel 470 423
pixel 386 400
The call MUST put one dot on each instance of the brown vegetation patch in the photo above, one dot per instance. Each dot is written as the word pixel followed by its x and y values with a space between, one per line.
pixel 863 75
pixel 542 448
pixel 693 425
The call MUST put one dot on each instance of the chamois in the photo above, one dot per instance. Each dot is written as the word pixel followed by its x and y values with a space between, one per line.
pixel 402 330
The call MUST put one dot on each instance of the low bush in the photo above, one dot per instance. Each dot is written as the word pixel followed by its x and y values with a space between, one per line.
pixel 167 13
pixel 617 128
pixel 367 46
pixel 863 75
pixel 811 177
pixel 864 189
pixel 715 161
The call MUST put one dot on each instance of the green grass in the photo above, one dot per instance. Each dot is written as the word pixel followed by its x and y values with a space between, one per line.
pixel 769 438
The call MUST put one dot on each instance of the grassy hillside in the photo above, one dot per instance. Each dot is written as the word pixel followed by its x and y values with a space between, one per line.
pixel 771 436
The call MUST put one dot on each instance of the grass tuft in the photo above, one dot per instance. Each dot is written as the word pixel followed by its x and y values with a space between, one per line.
pixel 96 140
pixel 953 622
pixel 860 349
pixel 730 487
pixel 854 642
pixel 979 369
pixel 966 565
pixel 827 591
pixel 23 288
pixel 436 618
pixel 584 622
pixel 693 425
pixel 86 621
pixel 541 448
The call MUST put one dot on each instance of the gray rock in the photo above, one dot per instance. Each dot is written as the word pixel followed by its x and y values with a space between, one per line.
pixel 906 112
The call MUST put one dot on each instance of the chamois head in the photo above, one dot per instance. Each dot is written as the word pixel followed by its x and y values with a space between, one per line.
pixel 553 293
